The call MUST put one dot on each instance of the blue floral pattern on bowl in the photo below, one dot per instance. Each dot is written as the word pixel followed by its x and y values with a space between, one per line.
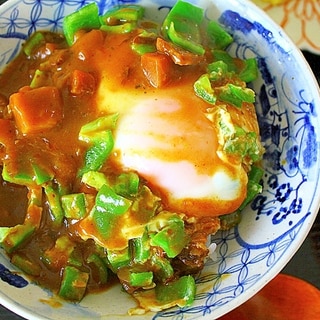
pixel 275 223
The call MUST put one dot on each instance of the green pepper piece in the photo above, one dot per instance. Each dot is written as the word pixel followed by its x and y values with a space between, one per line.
pixel 108 207
pixel 41 175
pixel 97 154
pixel 13 237
pixel 203 89
pixel 86 17
pixel 100 266
pixel 39 79
pixel 141 279
pixel 21 177
pixel 218 37
pixel 57 256
pixel 140 249
pixel 181 26
pixel 170 235
pixel 217 70
pixel 236 95
pixel 73 284
pixel 244 144
pixel 33 42
pixel 144 42
pixel 253 187
pixel 249 71
pixel 26 265
pixel 187 19
pixel 184 42
pixel 182 291
pixel 129 12
pixel 163 269
pixel 121 19
pixel 90 131
pixel 222 55
pixel 54 200
pixel 74 205
pixel 127 184
pixel 94 179
pixel 118 259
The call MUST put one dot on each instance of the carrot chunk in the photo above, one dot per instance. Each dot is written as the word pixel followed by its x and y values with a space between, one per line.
pixel 82 82
pixel 157 68
pixel 36 110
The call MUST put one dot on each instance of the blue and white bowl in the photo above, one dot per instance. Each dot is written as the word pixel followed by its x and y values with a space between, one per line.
pixel 273 226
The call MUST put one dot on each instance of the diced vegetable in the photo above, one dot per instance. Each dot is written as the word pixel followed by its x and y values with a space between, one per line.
pixel 141 249
pixel 26 265
pixel 144 42
pixel 249 71
pixel 57 257
pixel 36 109
pixel 181 291
pixel 12 238
pixel 33 42
pixel 236 95
pixel 86 17
pixel 178 55
pixel 182 26
pixel 97 154
pixel 118 259
pixel 141 279
pixel 127 184
pixel 74 205
pixel 170 235
pixel 74 284
pixel 53 196
pixel 218 37
pixel 254 187
pixel 82 82
pixel 157 68
pixel 94 179
pixel 204 90
pixel 90 131
pixel 121 19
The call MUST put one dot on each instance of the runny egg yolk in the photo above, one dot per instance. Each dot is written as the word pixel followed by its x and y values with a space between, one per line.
pixel 164 135
pixel 173 146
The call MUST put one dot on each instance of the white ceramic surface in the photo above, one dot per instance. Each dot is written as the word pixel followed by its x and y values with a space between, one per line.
pixel 275 224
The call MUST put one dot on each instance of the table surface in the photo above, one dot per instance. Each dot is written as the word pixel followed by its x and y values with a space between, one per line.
pixel 308 254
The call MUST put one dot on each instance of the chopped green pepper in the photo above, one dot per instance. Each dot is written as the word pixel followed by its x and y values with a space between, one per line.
pixel 218 37
pixel 90 132
pixel 182 291
pixel 140 249
pixel 204 90
pixel 182 26
pixel 127 184
pixel 170 234
pixel 141 279
pixel 97 154
pixel 26 265
pixel 118 259
pixel 11 238
pixel 86 17
pixel 54 200
pixel 94 179
pixel 33 42
pixel 121 19
pixel 74 205
pixel 236 95
pixel 74 284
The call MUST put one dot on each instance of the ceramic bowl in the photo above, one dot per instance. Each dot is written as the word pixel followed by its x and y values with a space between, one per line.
pixel 273 226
